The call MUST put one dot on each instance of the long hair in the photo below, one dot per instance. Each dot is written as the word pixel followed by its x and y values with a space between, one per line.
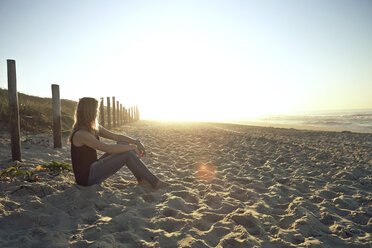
pixel 86 115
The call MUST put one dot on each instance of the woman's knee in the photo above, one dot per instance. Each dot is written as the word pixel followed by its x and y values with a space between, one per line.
pixel 124 156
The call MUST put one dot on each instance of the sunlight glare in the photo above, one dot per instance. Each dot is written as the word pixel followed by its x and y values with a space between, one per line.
pixel 205 172
pixel 170 84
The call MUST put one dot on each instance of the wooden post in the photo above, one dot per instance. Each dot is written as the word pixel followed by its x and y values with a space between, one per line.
pixel 121 114
pixel 56 116
pixel 131 114
pixel 128 115
pixel 134 114
pixel 102 112
pixel 136 109
pixel 113 112
pixel 13 109
pixel 137 114
pixel 125 114
pixel 108 113
pixel 117 114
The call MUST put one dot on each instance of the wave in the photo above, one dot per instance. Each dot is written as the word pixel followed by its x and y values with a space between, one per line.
pixel 348 120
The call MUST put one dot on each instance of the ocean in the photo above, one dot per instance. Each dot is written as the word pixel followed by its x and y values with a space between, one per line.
pixel 348 120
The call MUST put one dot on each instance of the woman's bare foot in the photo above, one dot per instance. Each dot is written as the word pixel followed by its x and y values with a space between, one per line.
pixel 161 184
pixel 144 183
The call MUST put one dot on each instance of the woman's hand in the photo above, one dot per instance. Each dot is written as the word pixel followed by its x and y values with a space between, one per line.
pixel 137 151
pixel 141 148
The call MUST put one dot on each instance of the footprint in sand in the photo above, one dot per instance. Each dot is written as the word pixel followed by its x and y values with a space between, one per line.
pixel 176 202
pixel 147 212
pixel 170 212
pixel 187 196
pixel 213 200
pixel 248 221
pixel 148 198
pixel 327 194
pixel 327 218
pixel 170 224
pixel 207 221
pixel 213 236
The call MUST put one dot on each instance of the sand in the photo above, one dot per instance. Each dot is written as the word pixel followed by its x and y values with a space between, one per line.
pixel 232 186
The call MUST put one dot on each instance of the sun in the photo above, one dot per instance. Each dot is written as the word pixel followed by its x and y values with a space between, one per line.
pixel 187 79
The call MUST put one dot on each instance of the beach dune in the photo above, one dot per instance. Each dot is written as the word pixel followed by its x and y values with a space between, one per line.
pixel 231 186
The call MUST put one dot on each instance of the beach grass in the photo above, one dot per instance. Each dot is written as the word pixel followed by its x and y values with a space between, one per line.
pixel 36 112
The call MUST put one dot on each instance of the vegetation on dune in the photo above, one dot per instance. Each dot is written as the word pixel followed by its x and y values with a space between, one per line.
pixel 36 113
pixel 55 167
pixel 17 172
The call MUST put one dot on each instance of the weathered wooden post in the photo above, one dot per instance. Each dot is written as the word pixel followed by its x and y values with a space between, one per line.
pixel 113 112
pixel 134 114
pixel 57 138
pixel 121 114
pixel 128 115
pixel 102 112
pixel 137 114
pixel 125 115
pixel 117 114
pixel 13 109
pixel 108 113
pixel 131 114
pixel 133 111
pixel 136 109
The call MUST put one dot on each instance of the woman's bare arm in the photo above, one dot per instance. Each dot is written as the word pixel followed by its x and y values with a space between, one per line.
pixel 103 132
pixel 85 138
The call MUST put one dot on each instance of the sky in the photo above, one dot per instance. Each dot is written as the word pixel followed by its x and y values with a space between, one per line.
pixel 194 60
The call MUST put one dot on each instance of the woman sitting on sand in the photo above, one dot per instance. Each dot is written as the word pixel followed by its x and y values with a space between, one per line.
pixel 85 142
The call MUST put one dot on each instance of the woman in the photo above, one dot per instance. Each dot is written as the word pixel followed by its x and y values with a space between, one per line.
pixel 85 142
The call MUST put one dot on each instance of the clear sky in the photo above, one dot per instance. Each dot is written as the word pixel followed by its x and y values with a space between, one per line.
pixel 194 60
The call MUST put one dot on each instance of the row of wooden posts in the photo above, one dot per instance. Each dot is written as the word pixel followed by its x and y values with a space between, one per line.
pixel 120 115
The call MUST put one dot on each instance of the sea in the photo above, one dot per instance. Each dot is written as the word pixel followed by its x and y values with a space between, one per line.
pixel 341 120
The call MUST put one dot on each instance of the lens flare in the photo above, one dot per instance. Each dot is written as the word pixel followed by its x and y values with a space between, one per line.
pixel 205 172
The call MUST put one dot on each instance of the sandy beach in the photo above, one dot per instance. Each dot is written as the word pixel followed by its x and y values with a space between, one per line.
pixel 231 186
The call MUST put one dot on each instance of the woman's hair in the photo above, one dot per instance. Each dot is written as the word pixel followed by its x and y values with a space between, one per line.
pixel 86 115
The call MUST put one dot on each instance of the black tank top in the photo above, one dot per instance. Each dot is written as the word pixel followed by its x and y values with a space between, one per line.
pixel 82 157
